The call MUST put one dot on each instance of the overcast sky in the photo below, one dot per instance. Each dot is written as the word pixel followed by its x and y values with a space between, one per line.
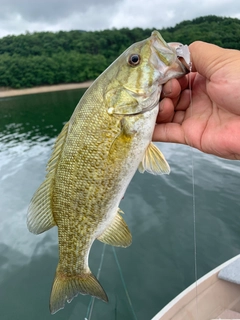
pixel 19 16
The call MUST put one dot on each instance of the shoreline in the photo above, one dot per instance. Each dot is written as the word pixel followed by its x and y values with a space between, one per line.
pixel 51 88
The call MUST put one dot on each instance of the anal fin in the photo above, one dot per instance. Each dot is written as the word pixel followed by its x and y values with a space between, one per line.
pixel 154 161
pixel 117 234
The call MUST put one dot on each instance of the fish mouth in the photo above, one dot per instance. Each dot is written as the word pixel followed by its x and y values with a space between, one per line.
pixel 172 59
pixel 183 54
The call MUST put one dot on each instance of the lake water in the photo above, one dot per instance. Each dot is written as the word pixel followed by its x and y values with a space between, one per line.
pixel 140 279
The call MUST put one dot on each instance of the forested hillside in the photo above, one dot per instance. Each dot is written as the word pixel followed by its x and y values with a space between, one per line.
pixel 44 58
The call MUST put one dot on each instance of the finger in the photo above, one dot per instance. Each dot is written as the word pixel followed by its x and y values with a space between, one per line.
pixel 167 106
pixel 171 89
pixel 184 82
pixel 166 111
pixel 179 117
pixel 169 132
pixel 184 101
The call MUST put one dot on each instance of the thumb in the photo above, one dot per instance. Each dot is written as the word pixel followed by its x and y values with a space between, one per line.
pixel 207 58
pixel 214 62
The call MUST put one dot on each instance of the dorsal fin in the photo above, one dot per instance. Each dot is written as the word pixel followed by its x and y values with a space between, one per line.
pixel 154 161
pixel 40 217
pixel 57 149
pixel 117 234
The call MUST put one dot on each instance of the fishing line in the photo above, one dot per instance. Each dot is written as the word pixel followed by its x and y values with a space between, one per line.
pixel 194 204
pixel 194 232
pixel 123 282
pixel 92 300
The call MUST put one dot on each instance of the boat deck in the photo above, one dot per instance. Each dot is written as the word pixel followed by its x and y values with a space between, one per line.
pixel 230 273
pixel 218 296
pixel 228 314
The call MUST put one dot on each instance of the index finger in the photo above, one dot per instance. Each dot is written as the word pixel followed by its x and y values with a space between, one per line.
pixel 173 87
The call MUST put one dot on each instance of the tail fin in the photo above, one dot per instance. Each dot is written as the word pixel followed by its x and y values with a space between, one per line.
pixel 66 288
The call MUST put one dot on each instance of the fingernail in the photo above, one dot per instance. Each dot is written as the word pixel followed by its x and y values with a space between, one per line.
pixel 160 106
pixel 167 88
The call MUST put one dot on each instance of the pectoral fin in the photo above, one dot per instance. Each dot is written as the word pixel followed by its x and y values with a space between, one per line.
pixel 154 161
pixel 117 234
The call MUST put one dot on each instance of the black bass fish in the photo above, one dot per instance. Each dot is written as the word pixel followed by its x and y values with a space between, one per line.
pixel 94 159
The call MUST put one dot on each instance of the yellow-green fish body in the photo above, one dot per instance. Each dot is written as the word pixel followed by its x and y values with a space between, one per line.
pixel 95 157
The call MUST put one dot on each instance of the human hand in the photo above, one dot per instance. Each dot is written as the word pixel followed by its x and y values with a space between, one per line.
pixel 210 121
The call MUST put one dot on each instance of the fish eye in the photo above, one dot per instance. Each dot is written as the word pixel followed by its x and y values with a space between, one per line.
pixel 134 60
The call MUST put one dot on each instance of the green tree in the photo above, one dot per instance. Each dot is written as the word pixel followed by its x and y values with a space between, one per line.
pixel 41 58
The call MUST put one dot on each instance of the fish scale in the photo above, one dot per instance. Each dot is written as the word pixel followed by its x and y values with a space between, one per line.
pixel 94 159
